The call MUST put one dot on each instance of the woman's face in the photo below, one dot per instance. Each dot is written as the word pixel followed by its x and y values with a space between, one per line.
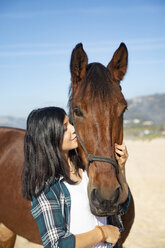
pixel 69 141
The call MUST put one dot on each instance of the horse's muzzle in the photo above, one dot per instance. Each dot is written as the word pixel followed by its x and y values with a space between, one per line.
pixel 103 207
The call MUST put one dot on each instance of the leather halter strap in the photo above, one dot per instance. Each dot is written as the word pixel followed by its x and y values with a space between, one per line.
pixel 91 157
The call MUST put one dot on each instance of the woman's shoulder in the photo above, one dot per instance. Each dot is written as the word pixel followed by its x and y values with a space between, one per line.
pixel 49 193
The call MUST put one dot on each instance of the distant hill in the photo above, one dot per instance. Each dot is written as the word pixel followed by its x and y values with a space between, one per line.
pixel 145 117
pixel 10 121
pixel 147 108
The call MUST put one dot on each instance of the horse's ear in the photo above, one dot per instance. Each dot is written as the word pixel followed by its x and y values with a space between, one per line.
pixel 118 64
pixel 78 64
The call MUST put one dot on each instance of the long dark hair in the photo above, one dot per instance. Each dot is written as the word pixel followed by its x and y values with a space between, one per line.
pixel 43 159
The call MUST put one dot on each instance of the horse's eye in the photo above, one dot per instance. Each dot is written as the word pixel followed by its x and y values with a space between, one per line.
pixel 77 111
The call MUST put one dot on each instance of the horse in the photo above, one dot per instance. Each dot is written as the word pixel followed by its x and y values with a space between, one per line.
pixel 96 107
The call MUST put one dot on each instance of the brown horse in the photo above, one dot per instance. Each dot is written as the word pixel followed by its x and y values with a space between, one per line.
pixel 97 107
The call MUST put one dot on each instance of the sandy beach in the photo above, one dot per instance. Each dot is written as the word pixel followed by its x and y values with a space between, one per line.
pixel 146 177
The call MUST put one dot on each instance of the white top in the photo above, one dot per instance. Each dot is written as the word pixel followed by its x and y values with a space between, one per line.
pixel 81 218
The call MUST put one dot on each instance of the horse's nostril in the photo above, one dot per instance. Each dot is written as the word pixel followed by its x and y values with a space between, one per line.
pixel 116 195
pixel 93 194
pixel 96 198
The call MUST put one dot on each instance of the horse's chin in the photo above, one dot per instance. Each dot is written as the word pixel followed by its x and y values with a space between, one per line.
pixel 102 212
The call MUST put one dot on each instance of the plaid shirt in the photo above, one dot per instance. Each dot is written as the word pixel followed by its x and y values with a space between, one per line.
pixel 51 210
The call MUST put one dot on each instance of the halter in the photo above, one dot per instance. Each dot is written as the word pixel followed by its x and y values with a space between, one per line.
pixel 91 157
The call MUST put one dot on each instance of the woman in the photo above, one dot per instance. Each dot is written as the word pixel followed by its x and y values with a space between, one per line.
pixel 52 171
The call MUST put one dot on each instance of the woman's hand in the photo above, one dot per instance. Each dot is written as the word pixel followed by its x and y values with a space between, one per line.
pixel 121 155
pixel 112 234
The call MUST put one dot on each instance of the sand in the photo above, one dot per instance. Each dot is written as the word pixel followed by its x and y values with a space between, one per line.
pixel 146 177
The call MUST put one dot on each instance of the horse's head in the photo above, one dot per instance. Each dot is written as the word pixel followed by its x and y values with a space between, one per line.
pixel 98 106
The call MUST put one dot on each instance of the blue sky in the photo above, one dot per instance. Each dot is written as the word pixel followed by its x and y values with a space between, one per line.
pixel 37 38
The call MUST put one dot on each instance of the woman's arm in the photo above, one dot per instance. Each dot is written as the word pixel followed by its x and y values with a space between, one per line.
pixel 47 212
pixel 109 234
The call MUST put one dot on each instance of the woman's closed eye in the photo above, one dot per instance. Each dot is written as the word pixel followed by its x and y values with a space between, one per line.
pixel 65 127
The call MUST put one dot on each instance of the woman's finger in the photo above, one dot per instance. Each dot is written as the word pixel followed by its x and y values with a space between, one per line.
pixel 117 157
pixel 120 147
pixel 119 152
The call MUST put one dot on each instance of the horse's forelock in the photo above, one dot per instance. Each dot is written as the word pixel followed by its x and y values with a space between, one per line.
pixel 98 77
pixel 98 82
